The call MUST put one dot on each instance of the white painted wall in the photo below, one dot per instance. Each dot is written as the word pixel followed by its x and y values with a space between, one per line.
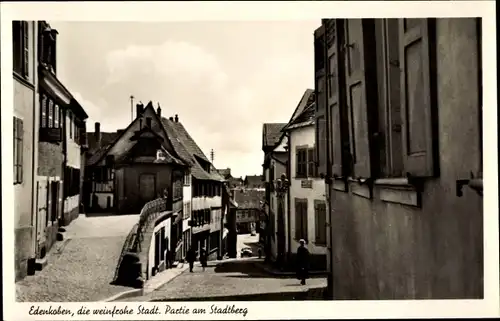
pixel 102 199
pixel 187 195
pixel 300 137
pixel 167 225
pixel 74 156
pixel 215 220
pixel 70 203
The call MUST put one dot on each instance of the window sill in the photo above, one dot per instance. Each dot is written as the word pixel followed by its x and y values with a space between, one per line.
pixel 339 184
pixel 357 187
pixel 397 190
pixel 23 80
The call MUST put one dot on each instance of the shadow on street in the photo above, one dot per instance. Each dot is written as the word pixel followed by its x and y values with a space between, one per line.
pixel 249 269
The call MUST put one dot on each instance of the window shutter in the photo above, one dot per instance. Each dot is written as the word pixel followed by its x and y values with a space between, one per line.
pixel 20 132
pixel 334 96
pixel 310 163
pixel 51 113
pixel 15 149
pixel 359 97
pixel 44 111
pixel 298 216
pixel 416 99
pixel 304 220
pixel 319 91
pixel 26 53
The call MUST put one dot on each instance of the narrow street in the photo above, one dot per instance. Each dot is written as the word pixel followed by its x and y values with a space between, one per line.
pixel 81 267
pixel 240 279
pixel 233 280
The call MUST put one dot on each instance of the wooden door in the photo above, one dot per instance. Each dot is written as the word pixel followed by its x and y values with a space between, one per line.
pixel 147 187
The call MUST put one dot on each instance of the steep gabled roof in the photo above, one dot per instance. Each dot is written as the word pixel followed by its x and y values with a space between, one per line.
pixel 226 172
pixel 271 133
pixel 305 112
pixel 113 138
pixel 254 180
pixel 188 150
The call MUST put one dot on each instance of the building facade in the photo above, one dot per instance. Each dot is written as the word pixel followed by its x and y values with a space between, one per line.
pixel 61 132
pixel 277 207
pixel 206 191
pixel 399 131
pixel 306 194
pixel 274 144
pixel 25 144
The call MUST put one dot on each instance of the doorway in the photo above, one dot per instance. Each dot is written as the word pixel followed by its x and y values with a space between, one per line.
pixel 147 188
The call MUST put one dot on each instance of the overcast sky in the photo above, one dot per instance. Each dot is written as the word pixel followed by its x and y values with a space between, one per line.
pixel 223 79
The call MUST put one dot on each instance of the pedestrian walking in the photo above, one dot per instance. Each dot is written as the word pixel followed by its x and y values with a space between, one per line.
pixel 203 258
pixel 302 262
pixel 191 257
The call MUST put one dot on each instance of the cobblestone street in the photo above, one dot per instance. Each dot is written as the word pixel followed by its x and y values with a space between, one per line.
pixel 232 280
pixel 82 266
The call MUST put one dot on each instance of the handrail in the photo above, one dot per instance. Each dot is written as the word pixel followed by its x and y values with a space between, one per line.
pixel 152 207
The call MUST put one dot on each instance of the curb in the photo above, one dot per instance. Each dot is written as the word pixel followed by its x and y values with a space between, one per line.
pixel 124 294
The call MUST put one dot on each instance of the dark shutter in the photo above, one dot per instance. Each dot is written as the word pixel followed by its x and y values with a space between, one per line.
pixel 310 163
pixel 320 92
pixel 298 217
pixel 334 96
pixel 304 220
pixel 416 99
pixel 359 100
pixel 20 132
pixel 320 220
pixel 26 53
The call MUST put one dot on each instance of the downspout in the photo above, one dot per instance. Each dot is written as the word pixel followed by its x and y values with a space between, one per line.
pixel 289 175
pixel 34 150
pixel 65 161
pixel 328 181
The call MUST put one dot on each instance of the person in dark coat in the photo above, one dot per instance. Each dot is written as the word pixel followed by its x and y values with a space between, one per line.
pixel 203 258
pixel 191 257
pixel 302 262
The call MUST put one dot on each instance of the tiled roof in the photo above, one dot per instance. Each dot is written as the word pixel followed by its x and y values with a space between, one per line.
pixel 271 134
pixel 187 148
pixel 254 180
pixel 248 198
pixel 305 111
pixel 306 116
pixel 106 139
pixel 226 172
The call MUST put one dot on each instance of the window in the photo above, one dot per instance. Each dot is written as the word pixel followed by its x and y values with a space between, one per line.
pixel 177 189
pixel 311 169
pixel 148 122
pixel 301 164
pixel 320 222
pixel 20 37
pixel 306 165
pixel 187 179
pixel 381 113
pixel 18 150
pixel 51 114
pixel 70 125
pixel 300 219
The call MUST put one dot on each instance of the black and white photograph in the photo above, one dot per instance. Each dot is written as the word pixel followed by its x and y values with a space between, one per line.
pixel 203 168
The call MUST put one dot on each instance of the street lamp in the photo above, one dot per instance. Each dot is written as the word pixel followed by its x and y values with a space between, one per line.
pixel 281 186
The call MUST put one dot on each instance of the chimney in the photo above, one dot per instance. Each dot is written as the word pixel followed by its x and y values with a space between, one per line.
pixel 140 109
pixel 171 118
pixel 176 118
pixel 158 110
pixel 98 134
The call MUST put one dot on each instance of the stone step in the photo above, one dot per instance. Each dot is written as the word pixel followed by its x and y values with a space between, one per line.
pixel 40 264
